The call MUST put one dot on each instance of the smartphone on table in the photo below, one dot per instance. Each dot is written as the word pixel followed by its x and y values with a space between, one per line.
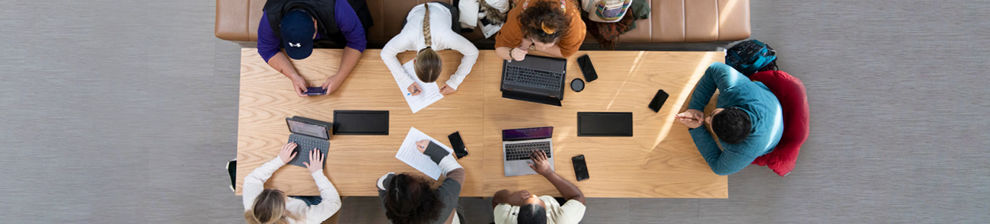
pixel 587 68
pixel 455 141
pixel 580 167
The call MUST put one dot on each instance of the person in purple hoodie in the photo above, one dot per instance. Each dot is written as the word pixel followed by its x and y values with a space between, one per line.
pixel 297 26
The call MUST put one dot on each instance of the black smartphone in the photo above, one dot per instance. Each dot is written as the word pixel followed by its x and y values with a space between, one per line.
pixel 458 144
pixel 658 100
pixel 587 68
pixel 315 91
pixel 580 167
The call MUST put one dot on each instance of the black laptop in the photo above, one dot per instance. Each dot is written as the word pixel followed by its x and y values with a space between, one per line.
pixel 535 79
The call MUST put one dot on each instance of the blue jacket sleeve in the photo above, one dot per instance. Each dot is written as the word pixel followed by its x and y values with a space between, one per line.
pixel 721 162
pixel 718 76
pixel 268 42
pixel 350 25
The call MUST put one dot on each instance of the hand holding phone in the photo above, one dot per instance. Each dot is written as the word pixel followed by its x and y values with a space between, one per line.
pixel 315 91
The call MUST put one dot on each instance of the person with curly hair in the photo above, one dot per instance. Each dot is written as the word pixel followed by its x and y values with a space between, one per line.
pixel 409 198
pixel 553 27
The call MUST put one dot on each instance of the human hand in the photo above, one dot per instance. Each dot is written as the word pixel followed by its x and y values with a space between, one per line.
pixel 526 43
pixel 422 144
pixel 414 89
pixel 315 160
pixel 518 54
pixel 520 197
pixel 540 163
pixel 691 118
pixel 447 90
pixel 288 152
pixel 299 85
pixel 330 85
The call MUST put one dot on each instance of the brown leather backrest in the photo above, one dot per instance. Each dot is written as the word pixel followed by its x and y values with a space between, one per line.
pixel 670 21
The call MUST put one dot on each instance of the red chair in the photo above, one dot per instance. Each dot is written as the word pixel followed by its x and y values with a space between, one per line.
pixel 794 103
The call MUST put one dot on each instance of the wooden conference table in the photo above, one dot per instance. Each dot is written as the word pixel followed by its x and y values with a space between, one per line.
pixel 659 161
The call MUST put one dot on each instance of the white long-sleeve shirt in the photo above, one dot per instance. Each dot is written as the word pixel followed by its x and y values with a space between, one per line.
pixel 254 183
pixel 411 39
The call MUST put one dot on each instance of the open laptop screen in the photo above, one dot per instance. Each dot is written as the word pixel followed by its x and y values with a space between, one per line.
pixel 526 133
pixel 314 130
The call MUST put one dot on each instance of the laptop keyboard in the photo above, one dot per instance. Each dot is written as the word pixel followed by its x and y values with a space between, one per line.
pixel 309 143
pixel 531 78
pixel 521 151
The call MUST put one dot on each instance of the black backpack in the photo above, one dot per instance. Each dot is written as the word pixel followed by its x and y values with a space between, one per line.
pixel 751 56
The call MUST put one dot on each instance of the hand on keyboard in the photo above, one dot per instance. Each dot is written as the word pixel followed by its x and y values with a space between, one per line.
pixel 540 163
pixel 315 160
pixel 288 152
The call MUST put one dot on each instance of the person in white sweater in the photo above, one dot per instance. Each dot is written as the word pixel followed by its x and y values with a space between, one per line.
pixel 272 206
pixel 429 29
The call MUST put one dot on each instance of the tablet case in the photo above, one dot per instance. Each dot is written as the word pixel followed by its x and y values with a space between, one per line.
pixel 360 122
pixel 605 124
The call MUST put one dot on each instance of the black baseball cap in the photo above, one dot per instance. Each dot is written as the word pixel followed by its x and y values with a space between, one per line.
pixel 297 34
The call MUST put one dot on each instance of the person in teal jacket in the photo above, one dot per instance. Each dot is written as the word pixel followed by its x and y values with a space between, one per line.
pixel 747 121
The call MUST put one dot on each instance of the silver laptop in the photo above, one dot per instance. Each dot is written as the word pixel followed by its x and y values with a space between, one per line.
pixel 519 144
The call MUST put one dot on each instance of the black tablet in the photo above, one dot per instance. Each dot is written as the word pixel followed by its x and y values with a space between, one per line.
pixel 605 124
pixel 360 122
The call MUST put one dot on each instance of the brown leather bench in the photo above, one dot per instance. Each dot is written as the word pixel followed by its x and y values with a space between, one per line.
pixel 670 21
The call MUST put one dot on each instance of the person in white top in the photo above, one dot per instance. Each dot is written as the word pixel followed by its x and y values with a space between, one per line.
pixel 429 29
pixel 272 206
pixel 524 208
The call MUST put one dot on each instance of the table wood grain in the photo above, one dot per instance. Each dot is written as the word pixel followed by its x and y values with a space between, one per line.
pixel 659 161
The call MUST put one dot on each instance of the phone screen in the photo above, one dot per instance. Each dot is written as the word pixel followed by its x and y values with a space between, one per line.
pixel 580 168
pixel 458 144
pixel 587 68
pixel 658 100
pixel 313 91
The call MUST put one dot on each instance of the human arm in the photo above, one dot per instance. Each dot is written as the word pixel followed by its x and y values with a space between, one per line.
pixel 568 190
pixel 691 118
pixel 470 56
pixel 509 36
pixel 331 199
pixel 269 47
pixel 448 164
pixel 398 44
pixel 352 29
pixel 553 51
pixel 718 76
pixel 503 53
pixel 254 182
pixel 722 162
pixel 347 63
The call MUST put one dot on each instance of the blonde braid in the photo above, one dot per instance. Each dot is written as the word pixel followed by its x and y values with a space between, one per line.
pixel 426 25
pixel 428 64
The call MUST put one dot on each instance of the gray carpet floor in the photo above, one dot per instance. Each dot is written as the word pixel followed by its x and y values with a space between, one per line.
pixel 125 111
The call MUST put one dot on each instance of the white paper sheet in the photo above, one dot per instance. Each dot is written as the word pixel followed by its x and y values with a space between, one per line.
pixel 430 91
pixel 410 155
